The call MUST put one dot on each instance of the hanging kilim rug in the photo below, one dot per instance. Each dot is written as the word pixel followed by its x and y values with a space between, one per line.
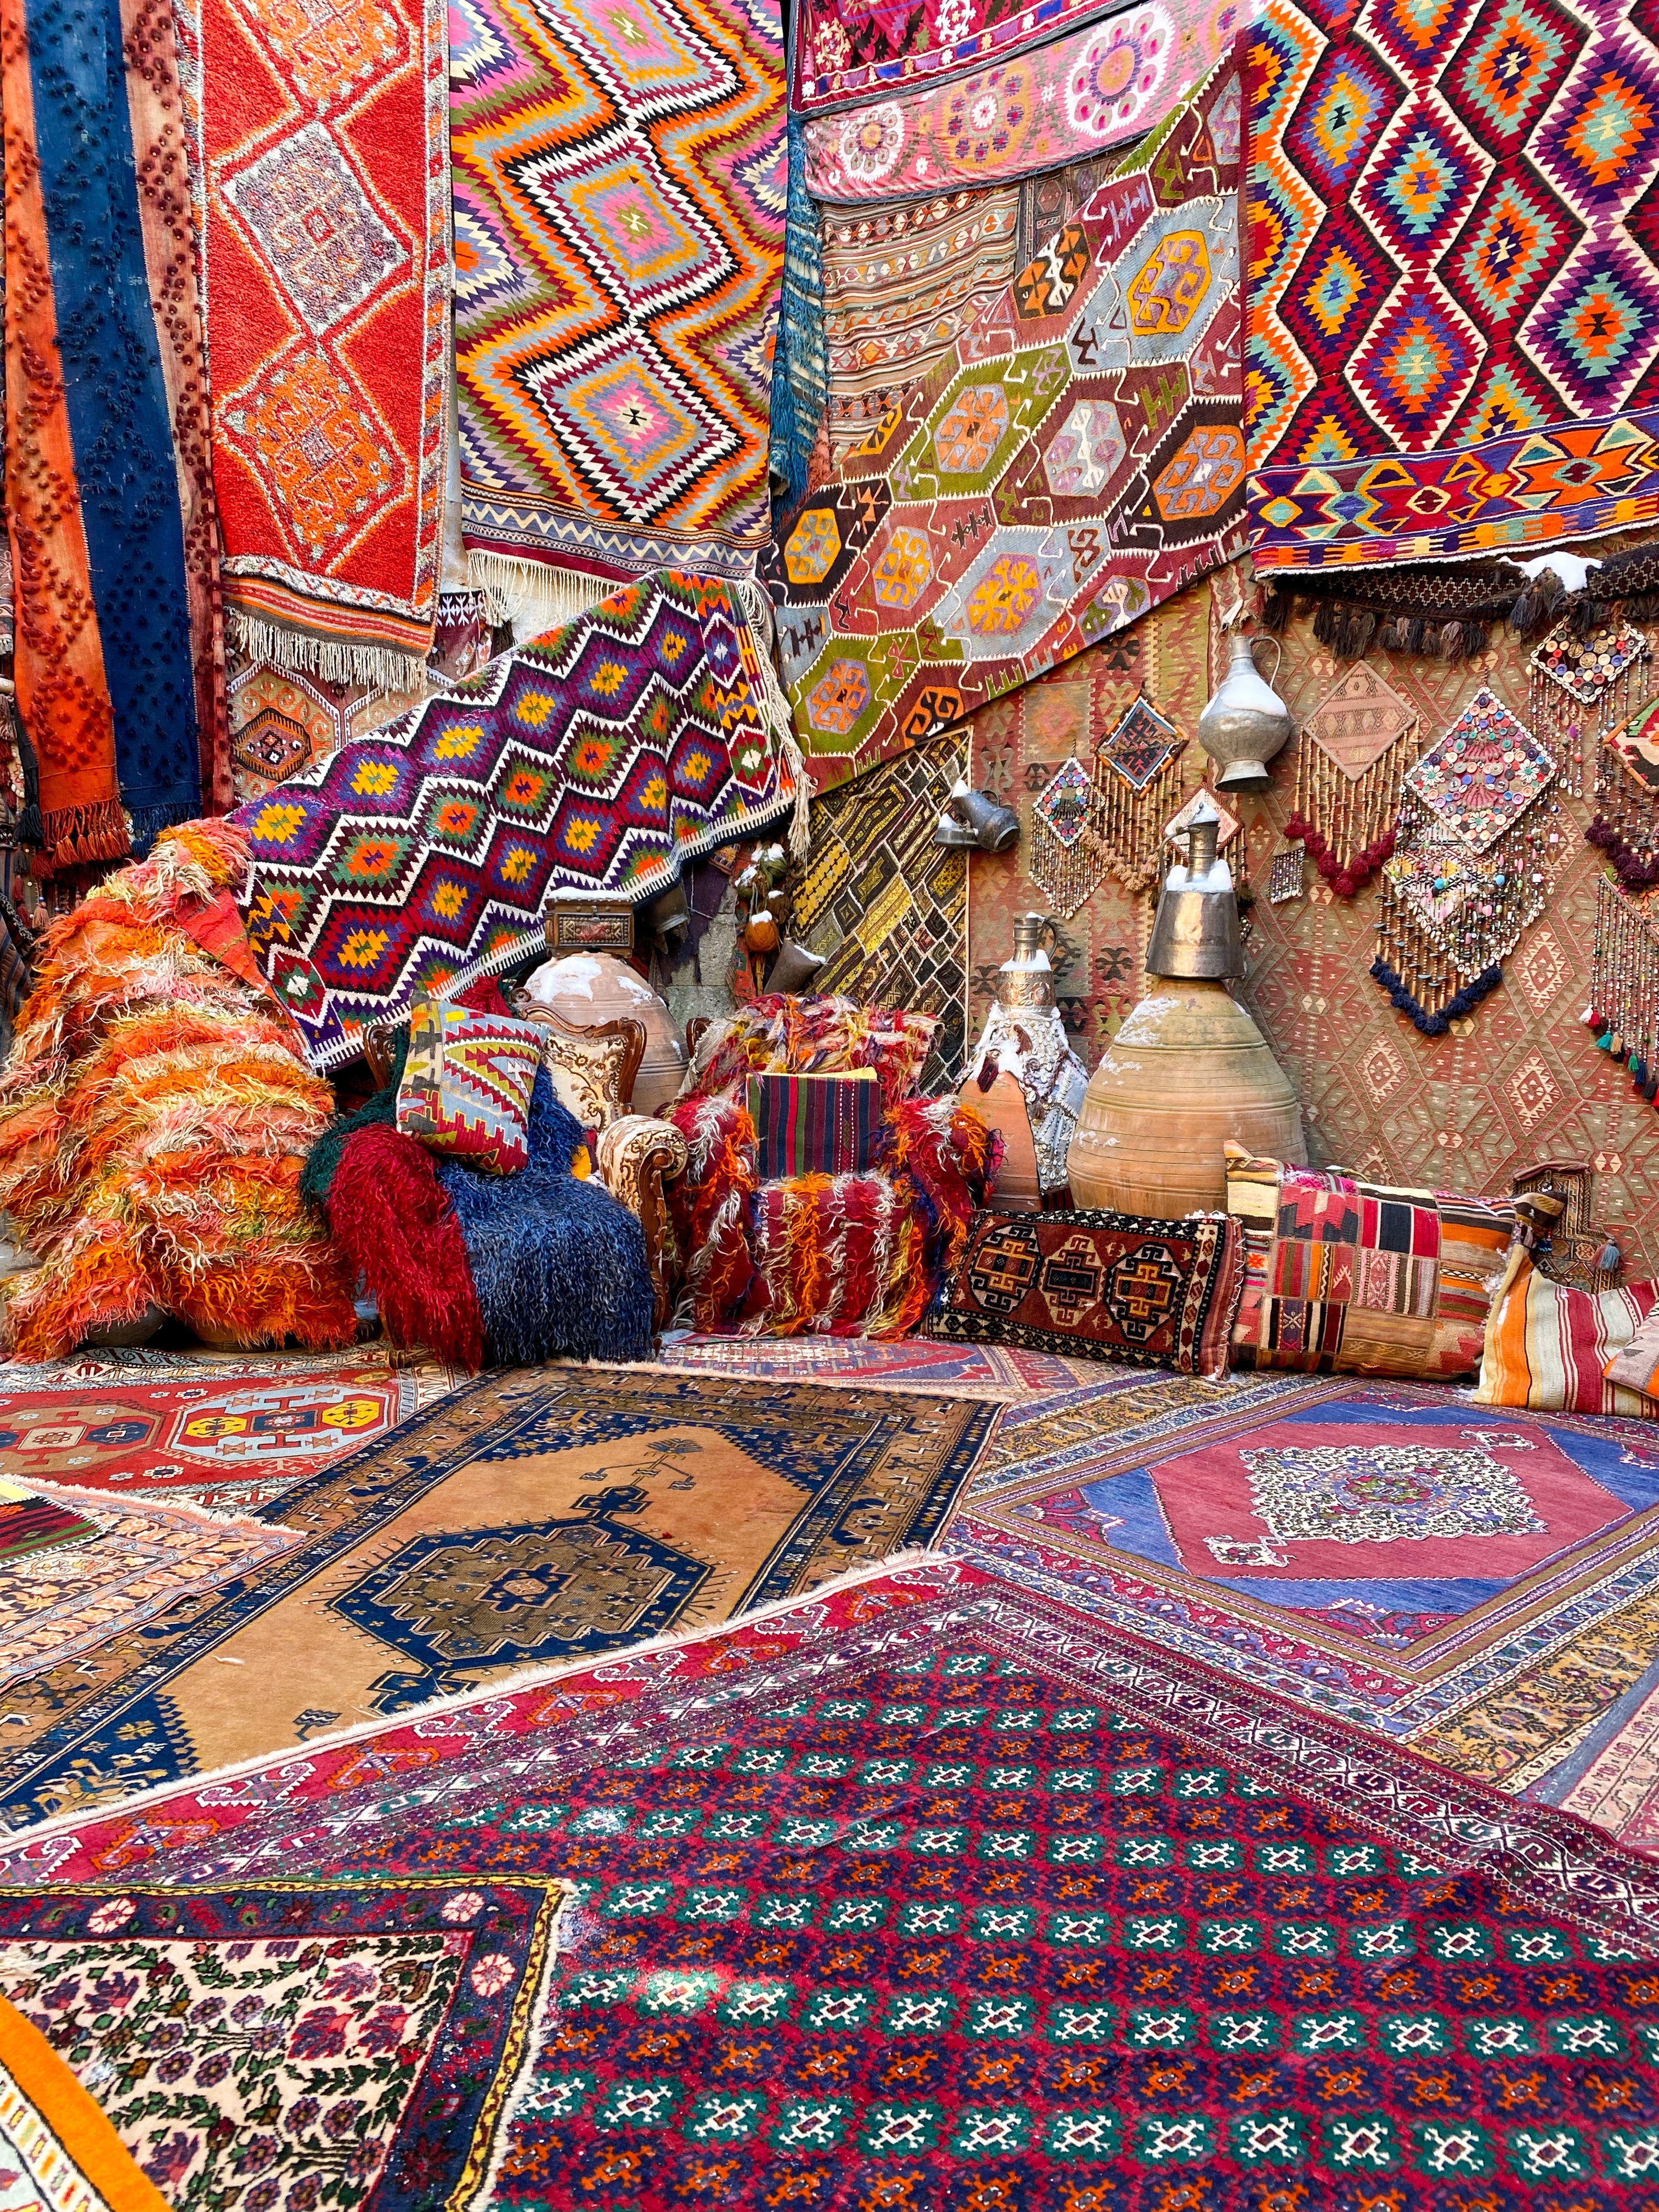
pixel 1454 336
pixel 620 191
pixel 1096 89
pixel 925 1896
pixel 307 2044
pixel 1074 459
pixel 323 201
pixel 536 1517
pixel 601 757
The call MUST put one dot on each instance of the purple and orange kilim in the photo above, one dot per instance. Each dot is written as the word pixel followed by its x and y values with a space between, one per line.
pixel 919 1895
pixel 1453 313
pixel 601 757
pixel 466 1085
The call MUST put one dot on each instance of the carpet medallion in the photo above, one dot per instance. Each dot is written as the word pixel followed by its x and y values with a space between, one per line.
pixel 525 1519
pixel 913 1895
pixel 311 2045
pixel 1388 1552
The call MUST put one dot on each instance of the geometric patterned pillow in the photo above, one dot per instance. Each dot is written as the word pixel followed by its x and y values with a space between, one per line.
pixel 1549 1345
pixel 1349 1278
pixel 466 1085
pixel 1637 1365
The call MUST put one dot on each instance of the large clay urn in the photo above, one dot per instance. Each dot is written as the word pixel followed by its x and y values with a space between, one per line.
pixel 1188 1069
pixel 588 988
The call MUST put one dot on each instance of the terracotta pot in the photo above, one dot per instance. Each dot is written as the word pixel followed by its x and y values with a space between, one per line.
pixel 586 988
pixel 1187 1070
pixel 1017 1188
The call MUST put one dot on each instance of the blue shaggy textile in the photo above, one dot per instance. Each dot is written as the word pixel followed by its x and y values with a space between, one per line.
pixel 558 1262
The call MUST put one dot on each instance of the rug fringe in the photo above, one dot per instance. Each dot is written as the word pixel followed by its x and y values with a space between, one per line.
pixel 535 596
pixel 70 834
pixel 528 1678
pixel 94 1502
pixel 333 659
pixel 543 2011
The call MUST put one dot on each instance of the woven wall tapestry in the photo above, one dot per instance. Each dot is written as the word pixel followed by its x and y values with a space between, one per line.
pixel 1454 337
pixel 159 146
pixel 901 285
pixel 603 756
pixel 620 194
pixel 1354 749
pixel 885 904
pixel 1074 459
pixel 1093 89
pixel 319 164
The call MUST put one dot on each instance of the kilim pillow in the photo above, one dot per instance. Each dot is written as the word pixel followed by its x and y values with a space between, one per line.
pixel 466 1085
pixel 815 1124
pixel 1549 1345
pixel 1637 1365
pixel 1349 1278
pixel 1105 1285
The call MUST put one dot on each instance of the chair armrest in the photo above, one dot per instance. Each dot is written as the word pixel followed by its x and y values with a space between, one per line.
pixel 638 1156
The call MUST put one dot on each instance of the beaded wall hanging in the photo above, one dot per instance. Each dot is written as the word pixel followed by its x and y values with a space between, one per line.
pixel 1476 840
pixel 1622 1014
pixel 1285 876
pixel 1625 825
pixel 1576 679
pixel 1089 823
pixel 1356 747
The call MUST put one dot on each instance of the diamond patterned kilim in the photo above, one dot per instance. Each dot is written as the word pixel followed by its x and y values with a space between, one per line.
pixel 930 1899
pixel 1073 458
pixel 602 758
pixel 323 207
pixel 1454 316
pixel 620 190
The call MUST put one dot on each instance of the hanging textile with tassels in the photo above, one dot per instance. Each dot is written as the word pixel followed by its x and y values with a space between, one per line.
pixel 1476 841
pixel 1625 827
pixel 1578 675
pixel 1356 747
pixel 1622 1014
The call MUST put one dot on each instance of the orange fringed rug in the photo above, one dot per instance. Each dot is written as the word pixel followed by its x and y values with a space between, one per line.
pixel 53 2137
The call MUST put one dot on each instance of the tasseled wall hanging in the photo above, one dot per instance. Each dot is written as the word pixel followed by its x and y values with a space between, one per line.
pixel 1476 841
pixel 1622 1014
pixel 1087 824
pixel 1625 827
pixel 1356 747
pixel 1573 677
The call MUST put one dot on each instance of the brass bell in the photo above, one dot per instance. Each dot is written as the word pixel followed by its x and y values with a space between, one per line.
pixel 975 818
pixel 1195 931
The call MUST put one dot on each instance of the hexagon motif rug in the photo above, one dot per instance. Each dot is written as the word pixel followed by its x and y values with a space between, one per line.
pixel 533 1517
pixel 921 1895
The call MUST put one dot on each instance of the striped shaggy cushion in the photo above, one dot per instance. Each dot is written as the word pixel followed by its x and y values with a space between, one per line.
pixel 1550 1346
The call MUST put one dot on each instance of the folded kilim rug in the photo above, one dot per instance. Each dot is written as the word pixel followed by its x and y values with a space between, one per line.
pixel 923 1896
pixel 29 1522
pixel 620 190
pixel 1086 92
pixel 848 52
pixel 307 2044
pixel 603 756
pixel 535 1517
pixel 1454 321
pixel 319 167
pixel 1074 459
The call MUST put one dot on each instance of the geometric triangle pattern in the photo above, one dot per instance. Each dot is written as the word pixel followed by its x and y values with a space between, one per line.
pixel 1071 459
pixel 602 756
pixel 619 190
pixel 1453 341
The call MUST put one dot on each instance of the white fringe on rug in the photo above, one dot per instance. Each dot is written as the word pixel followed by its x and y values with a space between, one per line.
pixel 378 668
pixel 534 596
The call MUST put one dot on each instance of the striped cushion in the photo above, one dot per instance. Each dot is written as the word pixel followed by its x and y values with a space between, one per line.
pixel 1548 1345
pixel 466 1085
pixel 814 1124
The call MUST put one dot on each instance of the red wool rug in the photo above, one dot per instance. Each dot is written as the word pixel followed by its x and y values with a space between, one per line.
pixel 921 1892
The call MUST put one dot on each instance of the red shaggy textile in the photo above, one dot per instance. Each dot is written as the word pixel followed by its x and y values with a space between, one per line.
pixel 390 1215
pixel 784 1035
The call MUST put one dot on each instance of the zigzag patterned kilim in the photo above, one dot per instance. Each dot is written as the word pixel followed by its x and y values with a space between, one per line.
pixel 619 188
pixel 1454 321
pixel 603 756
pixel 1072 459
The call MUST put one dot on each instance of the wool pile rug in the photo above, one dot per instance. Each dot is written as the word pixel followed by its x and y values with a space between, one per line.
pixel 1454 319
pixel 307 2044
pixel 1075 458
pixel 601 757
pixel 620 193
pixel 999 1372
pixel 230 1433
pixel 1481 1584
pixel 320 170
pixel 918 1895
pixel 527 1518
pixel 1078 96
